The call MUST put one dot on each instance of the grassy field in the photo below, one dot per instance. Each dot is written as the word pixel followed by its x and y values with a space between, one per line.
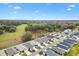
pixel 77 28
pixel 74 51
pixel 9 39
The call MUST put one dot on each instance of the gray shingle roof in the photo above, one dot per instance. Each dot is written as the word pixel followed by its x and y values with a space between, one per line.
pixel 27 45
pixel 20 47
pixel 60 51
pixel 51 53
pixel 11 51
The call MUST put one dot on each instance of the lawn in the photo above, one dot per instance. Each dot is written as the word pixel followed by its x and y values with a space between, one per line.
pixel 74 51
pixel 9 39
pixel 77 28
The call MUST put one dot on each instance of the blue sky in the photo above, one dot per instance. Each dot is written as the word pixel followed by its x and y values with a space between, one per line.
pixel 39 11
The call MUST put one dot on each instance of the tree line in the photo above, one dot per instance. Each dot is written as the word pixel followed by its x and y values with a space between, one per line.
pixel 46 27
pixel 7 28
pixel 50 27
pixel 33 27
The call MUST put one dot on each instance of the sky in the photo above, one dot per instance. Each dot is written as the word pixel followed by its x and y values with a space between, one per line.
pixel 39 11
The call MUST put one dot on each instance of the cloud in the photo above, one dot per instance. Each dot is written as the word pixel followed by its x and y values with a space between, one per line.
pixel 71 6
pixel 17 7
pixel 69 9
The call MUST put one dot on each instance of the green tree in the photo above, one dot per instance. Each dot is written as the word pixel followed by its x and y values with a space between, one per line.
pixel 27 36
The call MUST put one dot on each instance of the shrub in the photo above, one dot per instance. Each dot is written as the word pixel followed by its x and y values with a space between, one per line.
pixel 1 32
pixel 27 36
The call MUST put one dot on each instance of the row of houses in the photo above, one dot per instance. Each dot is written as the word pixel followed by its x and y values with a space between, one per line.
pixel 51 45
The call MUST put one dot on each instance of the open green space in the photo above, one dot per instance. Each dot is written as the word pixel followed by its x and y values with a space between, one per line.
pixel 77 28
pixel 6 38
pixel 74 51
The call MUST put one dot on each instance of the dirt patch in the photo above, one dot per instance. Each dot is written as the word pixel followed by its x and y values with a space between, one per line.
pixel 39 33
